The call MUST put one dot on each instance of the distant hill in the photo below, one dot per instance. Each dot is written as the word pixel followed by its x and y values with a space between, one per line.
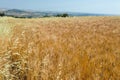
pixel 15 11
pixel 34 14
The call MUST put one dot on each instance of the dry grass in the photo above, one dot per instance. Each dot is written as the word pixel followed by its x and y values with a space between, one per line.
pixel 77 48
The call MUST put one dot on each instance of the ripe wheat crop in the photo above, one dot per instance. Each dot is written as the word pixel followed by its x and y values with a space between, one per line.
pixel 73 48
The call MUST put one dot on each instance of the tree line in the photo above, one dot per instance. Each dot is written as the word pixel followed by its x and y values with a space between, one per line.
pixel 57 15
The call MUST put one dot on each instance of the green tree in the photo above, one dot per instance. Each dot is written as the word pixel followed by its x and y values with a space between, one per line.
pixel 58 15
pixel 65 15
pixel 62 15
pixel 2 14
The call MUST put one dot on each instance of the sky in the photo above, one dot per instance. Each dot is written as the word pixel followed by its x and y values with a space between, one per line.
pixel 87 6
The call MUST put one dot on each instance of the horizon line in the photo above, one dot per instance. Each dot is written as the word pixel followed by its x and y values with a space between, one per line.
pixel 60 11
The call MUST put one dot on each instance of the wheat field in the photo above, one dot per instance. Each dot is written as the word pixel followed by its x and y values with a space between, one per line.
pixel 72 48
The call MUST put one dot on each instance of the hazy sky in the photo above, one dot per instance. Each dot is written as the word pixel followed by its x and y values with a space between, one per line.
pixel 91 6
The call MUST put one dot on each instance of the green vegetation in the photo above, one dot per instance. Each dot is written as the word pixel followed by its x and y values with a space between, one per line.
pixel 30 16
pixel 2 14
pixel 62 15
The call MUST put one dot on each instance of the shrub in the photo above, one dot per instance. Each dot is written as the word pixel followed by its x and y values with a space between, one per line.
pixel 2 14
pixel 62 15
pixel 65 15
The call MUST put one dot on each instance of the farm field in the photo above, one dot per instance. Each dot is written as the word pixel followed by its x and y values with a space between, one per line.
pixel 71 48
